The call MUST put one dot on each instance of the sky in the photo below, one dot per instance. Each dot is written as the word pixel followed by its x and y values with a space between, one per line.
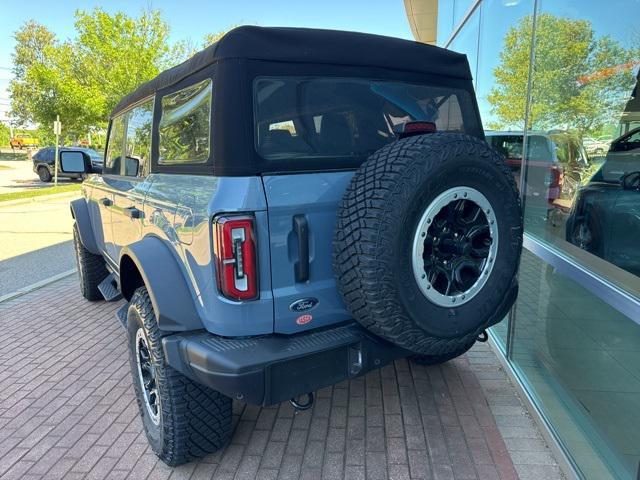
pixel 192 19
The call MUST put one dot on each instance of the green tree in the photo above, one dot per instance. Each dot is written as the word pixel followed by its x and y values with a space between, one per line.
pixel 4 135
pixel 32 42
pixel 83 79
pixel 579 81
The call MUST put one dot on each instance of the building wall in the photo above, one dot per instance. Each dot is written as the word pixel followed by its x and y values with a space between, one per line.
pixel 557 86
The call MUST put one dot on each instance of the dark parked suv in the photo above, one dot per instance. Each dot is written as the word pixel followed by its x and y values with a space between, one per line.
pixel 288 209
pixel 44 162
pixel 605 218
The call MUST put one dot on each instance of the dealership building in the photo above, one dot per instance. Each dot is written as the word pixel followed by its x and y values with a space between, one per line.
pixel 557 88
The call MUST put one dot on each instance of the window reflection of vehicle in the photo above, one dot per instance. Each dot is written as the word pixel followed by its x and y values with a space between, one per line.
pixel 544 177
pixel 596 146
pixel 605 218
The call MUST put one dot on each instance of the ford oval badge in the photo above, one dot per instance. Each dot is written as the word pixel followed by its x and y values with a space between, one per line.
pixel 304 304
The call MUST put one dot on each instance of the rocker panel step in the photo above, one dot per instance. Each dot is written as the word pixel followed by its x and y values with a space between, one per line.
pixel 109 289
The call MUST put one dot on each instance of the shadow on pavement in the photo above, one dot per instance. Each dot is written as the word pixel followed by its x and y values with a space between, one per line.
pixel 23 270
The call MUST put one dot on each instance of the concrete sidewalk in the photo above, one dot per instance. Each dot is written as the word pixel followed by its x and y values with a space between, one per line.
pixel 67 411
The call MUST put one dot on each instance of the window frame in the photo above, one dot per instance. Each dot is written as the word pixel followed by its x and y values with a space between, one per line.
pixel 204 168
pixel 125 114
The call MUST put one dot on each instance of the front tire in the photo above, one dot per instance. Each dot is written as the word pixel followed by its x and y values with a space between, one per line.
pixel 182 419
pixel 91 269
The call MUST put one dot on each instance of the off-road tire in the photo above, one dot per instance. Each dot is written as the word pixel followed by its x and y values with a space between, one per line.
pixel 91 269
pixel 438 359
pixel 373 242
pixel 44 174
pixel 194 420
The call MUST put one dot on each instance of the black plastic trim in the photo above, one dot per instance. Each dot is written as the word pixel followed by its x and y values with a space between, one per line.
pixel 301 229
pixel 80 213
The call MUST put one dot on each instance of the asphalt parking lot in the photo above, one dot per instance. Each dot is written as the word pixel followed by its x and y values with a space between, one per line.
pixel 67 411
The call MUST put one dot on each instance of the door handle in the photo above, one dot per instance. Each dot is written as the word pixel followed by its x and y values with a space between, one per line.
pixel 132 212
pixel 301 267
pixel 106 202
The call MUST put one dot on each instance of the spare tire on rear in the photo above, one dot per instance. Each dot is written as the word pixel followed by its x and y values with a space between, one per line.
pixel 428 241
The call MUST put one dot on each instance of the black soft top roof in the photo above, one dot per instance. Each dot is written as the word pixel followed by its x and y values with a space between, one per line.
pixel 307 45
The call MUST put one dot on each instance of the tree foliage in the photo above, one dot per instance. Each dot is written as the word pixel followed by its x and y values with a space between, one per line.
pixel 82 79
pixel 579 81
pixel 4 135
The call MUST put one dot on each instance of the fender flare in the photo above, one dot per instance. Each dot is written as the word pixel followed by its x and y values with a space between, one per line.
pixel 170 295
pixel 80 214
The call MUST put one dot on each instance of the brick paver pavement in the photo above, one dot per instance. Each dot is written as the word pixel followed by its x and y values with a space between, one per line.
pixel 67 411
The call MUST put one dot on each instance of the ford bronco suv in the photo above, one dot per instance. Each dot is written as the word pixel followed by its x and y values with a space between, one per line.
pixel 288 209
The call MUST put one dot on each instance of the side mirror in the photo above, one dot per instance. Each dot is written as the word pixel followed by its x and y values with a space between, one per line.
pixel 631 181
pixel 131 166
pixel 73 162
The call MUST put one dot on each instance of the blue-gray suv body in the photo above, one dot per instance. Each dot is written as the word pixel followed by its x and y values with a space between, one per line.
pixel 288 209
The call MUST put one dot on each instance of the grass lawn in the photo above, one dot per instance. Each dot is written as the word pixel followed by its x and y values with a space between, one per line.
pixel 14 156
pixel 74 187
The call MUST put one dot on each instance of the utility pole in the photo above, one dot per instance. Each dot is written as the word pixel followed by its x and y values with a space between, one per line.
pixel 57 128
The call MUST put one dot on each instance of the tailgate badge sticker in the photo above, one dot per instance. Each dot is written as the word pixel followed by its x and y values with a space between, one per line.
pixel 304 319
pixel 303 304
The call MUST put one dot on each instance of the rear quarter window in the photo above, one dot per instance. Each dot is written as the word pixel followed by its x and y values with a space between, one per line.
pixel 185 125
pixel 298 118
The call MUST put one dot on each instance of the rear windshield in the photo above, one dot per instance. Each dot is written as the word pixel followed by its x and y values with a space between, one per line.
pixel 510 146
pixel 348 117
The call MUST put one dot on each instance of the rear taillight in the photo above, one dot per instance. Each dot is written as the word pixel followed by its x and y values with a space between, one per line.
pixel 554 177
pixel 235 253
pixel 409 129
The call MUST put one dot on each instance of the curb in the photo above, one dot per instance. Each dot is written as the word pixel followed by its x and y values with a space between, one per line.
pixel 52 196
pixel 36 286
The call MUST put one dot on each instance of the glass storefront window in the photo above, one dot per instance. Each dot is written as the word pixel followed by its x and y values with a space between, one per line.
pixel 460 7
pixel 577 354
pixel 467 41
pixel 580 360
pixel 585 103
pixel 497 19
pixel 445 21
pixel 577 161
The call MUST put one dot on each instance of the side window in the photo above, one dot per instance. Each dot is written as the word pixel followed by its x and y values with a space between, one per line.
pixel 114 150
pixel 139 123
pixel 184 128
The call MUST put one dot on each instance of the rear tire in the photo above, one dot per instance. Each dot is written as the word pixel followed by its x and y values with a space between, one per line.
pixel 91 269
pixel 44 174
pixel 182 419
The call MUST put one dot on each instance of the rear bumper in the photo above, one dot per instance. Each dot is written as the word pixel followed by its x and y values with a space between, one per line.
pixel 270 369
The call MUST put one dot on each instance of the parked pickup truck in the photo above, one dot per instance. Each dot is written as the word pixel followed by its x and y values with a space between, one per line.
pixel 288 209
pixel 23 140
